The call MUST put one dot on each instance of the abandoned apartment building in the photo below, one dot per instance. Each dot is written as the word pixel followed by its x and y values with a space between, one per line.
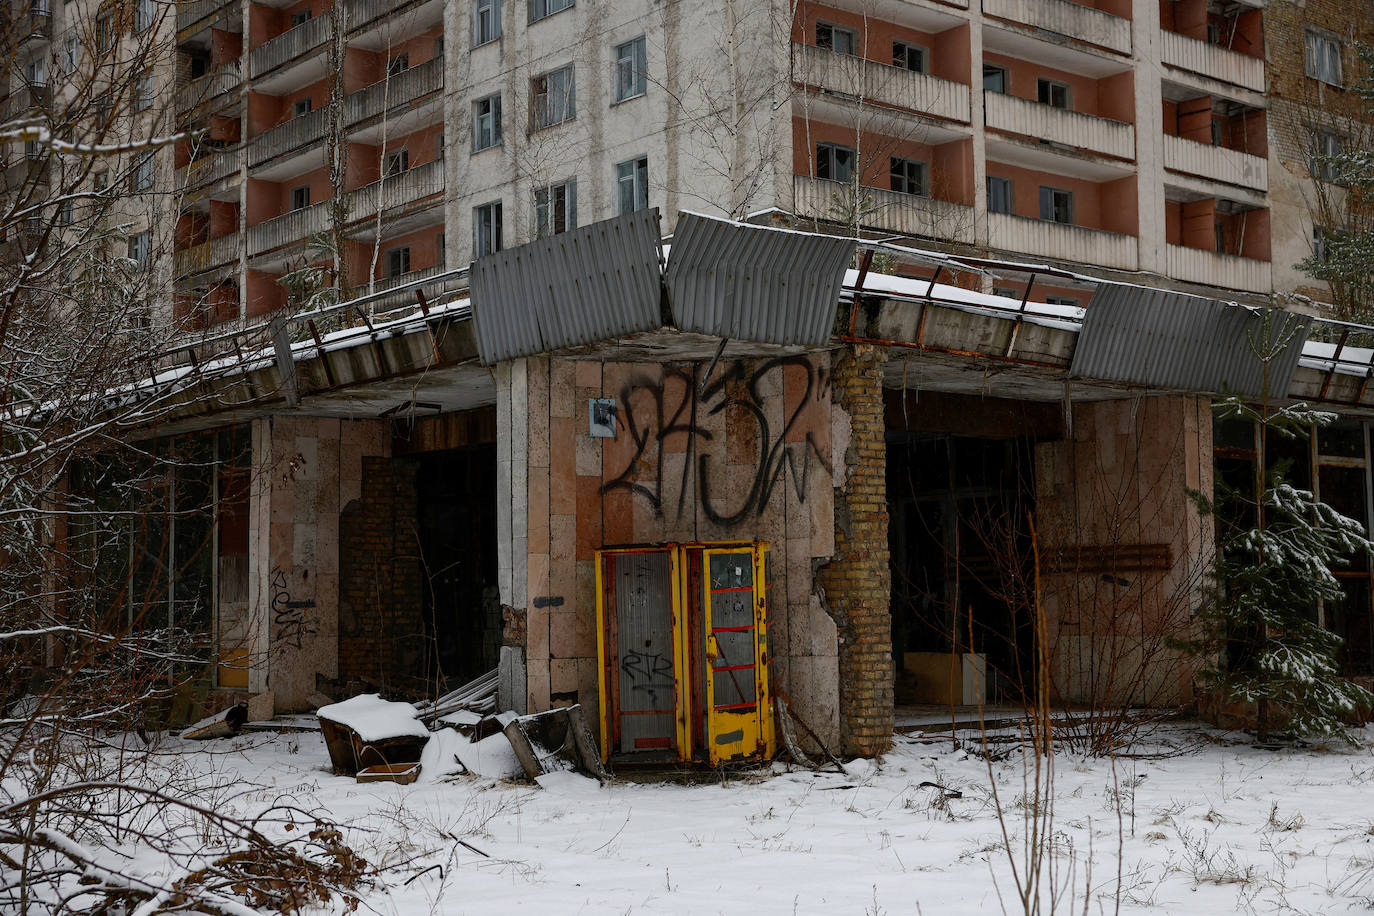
pixel 675 483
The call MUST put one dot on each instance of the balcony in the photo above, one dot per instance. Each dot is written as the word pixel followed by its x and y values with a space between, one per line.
pixel 1071 128
pixel 33 25
pixel 392 193
pixel 401 89
pixel 1063 17
pixel 1061 241
pixel 399 297
pixel 209 88
pixel 207 255
pixel 1216 163
pixel 1211 60
pixel 887 211
pixel 191 14
pixel 390 93
pixel 899 88
pixel 287 46
pixel 211 166
pixel 1198 265
pixel 25 173
pixel 32 97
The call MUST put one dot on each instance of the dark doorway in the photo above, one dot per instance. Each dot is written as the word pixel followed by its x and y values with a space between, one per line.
pixel 960 544
pixel 456 531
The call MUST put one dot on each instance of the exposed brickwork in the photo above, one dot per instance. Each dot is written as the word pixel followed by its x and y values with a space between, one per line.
pixel 381 630
pixel 857 581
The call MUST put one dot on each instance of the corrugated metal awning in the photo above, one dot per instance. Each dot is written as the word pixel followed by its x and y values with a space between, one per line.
pixel 755 283
pixel 1162 339
pixel 578 287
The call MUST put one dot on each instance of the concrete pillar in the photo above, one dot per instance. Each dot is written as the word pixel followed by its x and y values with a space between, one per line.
pixel 857 581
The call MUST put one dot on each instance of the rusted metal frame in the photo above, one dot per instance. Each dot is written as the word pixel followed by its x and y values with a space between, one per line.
pixel 1020 316
pixel 1335 361
pixel 319 344
pixel 864 264
pixel 1364 383
pixel 952 351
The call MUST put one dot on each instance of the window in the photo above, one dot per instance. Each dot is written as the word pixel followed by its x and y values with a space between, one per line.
pixel 1325 147
pixel 301 18
pixel 141 176
pixel 1323 55
pixel 999 195
pixel 553 97
pixel 630 64
pixel 543 9
pixel 555 208
pixel 143 91
pixel 632 185
pixel 140 249
pixel 439 146
pixel 908 176
pixel 1062 300
pixel 300 197
pixel 1218 132
pixel 1056 205
pixel 486 229
pixel 1006 292
pixel 301 108
pixel 439 48
pixel 398 65
pixel 104 32
pixel 398 261
pixel 1053 93
pixel 66 214
pixel 834 162
pixel 834 38
pixel 441 246
pixel 397 162
pixel 36 73
pixel 144 11
pixel 71 53
pixel 33 150
pixel 994 78
pixel 908 57
pixel 486 21
pixel 101 180
pixel 1321 249
pixel 486 123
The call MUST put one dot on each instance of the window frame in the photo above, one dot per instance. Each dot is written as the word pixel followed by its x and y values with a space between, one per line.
pixel 825 38
pixel 995 70
pixel 1054 207
pixel 398 256
pixel 901 51
pixel 297 111
pixel 922 181
pixel 141 174
pixel 397 65
pixel 829 155
pixel 539 10
pixel 1001 182
pixel 541 112
pixel 1321 50
pixel 494 115
pixel 492 211
pixel 140 249
pixel 397 162
pixel 1320 144
pixel 546 207
pixel 143 92
pixel 299 198
pixel 635 172
pixel 631 70
pixel 481 11
pixel 1046 88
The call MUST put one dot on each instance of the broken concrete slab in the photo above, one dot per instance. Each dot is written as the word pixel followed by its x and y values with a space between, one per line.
pixel 223 724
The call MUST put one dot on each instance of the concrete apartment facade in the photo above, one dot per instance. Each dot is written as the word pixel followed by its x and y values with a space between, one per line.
pixel 400 511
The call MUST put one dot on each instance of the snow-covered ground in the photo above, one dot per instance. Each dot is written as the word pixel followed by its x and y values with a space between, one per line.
pixel 1217 827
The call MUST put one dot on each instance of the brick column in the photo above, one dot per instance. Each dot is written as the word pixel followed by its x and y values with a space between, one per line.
pixel 858 580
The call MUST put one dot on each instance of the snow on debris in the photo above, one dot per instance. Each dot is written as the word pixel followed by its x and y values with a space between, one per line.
pixel 375 719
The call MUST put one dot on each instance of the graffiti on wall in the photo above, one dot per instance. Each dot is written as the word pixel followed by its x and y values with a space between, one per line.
pixel 677 404
pixel 290 627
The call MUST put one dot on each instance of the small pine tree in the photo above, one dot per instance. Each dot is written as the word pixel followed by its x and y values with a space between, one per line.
pixel 1259 631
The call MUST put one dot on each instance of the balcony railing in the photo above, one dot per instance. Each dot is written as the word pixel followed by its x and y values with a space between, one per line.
pixel 1216 162
pixel 1063 242
pixel 214 253
pixel 888 211
pixel 1064 17
pixel 33 96
pixel 1198 265
pixel 1071 128
pixel 33 25
pixel 287 46
pixel 368 102
pixel 25 172
pixel 404 87
pixel 1211 60
pixel 296 133
pixel 208 168
pixel 190 13
pixel 209 86
pixel 386 283
pixel 859 78
pixel 389 194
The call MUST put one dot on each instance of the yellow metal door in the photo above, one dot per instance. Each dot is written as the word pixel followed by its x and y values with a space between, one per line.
pixel 738 719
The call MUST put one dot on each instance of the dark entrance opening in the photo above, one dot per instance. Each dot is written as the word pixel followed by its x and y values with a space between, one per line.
pixel 456 536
